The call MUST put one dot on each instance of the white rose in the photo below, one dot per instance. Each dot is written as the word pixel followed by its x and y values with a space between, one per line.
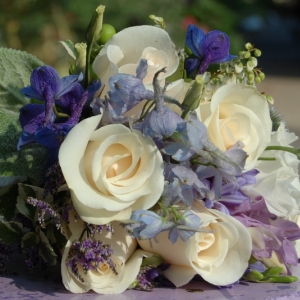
pixel 220 257
pixel 110 171
pixel 123 52
pixel 238 112
pixel 278 181
pixel 127 262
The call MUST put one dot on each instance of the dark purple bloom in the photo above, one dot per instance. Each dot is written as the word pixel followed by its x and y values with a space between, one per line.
pixel 206 48
pixel 40 122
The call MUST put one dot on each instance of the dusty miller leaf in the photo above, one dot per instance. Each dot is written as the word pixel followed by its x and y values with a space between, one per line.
pixel 15 70
pixel 29 161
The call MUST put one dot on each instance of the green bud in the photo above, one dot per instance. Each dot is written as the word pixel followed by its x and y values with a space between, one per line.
pixel 158 21
pixel 253 275
pixel 250 76
pixel 270 99
pixel 262 75
pixel 80 58
pixel 248 46
pixel 253 60
pixel 153 260
pixel 107 32
pixel 273 271
pixel 193 95
pixel 94 29
pixel 247 54
pixel 257 52
pixel 283 279
pixel 241 54
pixel 257 79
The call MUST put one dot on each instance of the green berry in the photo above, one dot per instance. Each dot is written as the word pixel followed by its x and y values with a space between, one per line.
pixel 106 33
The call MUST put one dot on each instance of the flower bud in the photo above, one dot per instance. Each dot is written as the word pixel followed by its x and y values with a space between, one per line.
pixel 193 95
pixel 247 54
pixel 94 29
pixel 248 46
pixel 257 52
pixel 80 58
pixel 257 79
pixel 270 99
pixel 262 75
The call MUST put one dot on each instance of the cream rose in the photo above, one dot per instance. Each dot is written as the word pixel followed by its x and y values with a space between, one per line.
pixel 123 52
pixel 220 257
pixel 278 181
pixel 238 112
pixel 126 258
pixel 110 171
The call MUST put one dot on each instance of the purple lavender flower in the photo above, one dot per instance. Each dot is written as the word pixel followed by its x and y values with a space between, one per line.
pixel 206 48
pixel 89 254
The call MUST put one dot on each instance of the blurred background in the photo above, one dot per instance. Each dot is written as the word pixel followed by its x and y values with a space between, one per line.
pixel 272 25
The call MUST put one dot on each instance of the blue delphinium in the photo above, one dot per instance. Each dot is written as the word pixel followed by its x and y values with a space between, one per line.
pixel 212 47
pixel 64 99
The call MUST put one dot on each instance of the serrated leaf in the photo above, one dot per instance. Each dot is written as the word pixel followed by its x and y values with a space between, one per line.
pixel 15 70
pixel 45 250
pixel 70 48
pixel 8 200
pixel 29 239
pixel 11 232
pixel 29 161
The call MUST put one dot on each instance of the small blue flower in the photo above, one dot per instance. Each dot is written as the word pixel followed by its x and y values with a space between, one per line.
pixel 148 224
pixel 206 48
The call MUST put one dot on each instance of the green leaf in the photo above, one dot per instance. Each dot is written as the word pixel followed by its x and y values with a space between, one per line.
pixel 29 161
pixel 283 279
pixel 25 208
pixel 8 200
pixel 56 237
pixel 69 46
pixel 15 70
pixel 45 250
pixel 178 74
pixel 29 239
pixel 11 232
pixel 272 271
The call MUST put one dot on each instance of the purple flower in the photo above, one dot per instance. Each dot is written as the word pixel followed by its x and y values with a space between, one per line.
pixel 39 121
pixel 206 48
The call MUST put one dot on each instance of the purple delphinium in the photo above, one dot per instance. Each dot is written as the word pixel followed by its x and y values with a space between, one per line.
pixel 89 254
pixel 212 47
pixel 269 233
pixel 41 123
pixel 147 224
pixel 161 121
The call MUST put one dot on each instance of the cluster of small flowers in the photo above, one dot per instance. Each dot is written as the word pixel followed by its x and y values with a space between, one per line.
pixel 90 255
pixel 95 229
pixel 44 208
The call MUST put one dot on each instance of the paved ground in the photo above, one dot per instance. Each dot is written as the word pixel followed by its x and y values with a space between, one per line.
pixel 286 93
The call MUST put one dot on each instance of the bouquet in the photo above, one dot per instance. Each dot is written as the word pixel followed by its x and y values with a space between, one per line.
pixel 147 165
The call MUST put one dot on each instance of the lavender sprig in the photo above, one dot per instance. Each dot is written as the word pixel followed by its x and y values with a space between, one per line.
pixel 43 209
pixel 91 255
